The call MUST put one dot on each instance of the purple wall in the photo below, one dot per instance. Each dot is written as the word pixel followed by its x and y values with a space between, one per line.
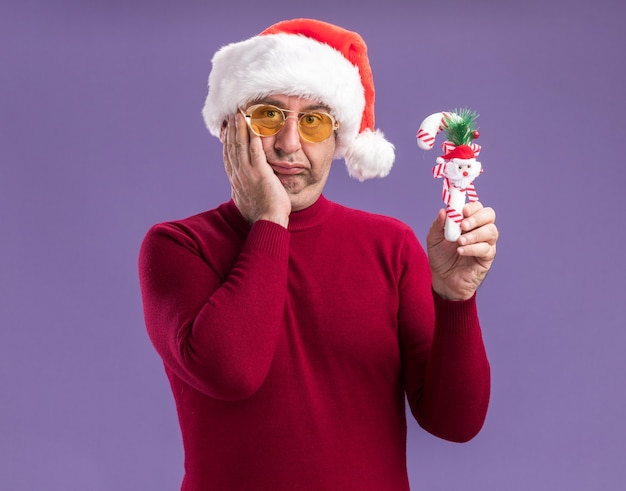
pixel 101 136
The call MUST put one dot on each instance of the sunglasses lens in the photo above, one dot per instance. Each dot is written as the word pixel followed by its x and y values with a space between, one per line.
pixel 266 120
pixel 315 127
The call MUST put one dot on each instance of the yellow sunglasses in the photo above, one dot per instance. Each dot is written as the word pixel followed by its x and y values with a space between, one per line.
pixel 267 120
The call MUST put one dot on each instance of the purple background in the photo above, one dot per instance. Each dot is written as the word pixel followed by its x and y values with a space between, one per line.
pixel 101 136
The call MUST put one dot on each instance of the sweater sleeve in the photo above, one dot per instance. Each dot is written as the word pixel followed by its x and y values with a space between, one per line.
pixel 446 370
pixel 215 330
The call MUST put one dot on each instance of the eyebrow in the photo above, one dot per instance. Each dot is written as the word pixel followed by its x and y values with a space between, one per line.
pixel 312 107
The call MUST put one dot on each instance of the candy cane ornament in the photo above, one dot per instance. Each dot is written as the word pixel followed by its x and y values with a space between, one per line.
pixel 430 128
pixel 457 166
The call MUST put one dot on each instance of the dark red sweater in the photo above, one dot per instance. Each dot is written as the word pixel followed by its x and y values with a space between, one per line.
pixel 289 352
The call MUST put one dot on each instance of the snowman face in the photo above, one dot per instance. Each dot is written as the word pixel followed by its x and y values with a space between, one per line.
pixel 461 172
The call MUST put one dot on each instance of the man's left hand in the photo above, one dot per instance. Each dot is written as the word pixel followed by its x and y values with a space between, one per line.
pixel 458 268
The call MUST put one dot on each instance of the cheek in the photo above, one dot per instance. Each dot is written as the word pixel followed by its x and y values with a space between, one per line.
pixel 268 144
pixel 330 151
pixel 327 163
pixel 452 173
pixel 321 158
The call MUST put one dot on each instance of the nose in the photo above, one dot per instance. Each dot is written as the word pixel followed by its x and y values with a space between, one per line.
pixel 288 138
pixel 465 173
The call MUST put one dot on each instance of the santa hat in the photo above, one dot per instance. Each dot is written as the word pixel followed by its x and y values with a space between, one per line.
pixel 310 59
pixel 464 152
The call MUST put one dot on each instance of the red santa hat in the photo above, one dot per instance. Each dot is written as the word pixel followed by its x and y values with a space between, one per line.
pixel 311 59
pixel 464 152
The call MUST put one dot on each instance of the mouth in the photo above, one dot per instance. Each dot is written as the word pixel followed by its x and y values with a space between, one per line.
pixel 288 169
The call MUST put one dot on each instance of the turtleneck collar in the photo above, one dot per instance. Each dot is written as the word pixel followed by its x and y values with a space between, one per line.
pixel 314 215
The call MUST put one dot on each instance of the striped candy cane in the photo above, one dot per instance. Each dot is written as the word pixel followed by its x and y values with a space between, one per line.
pixel 452 227
pixel 452 195
pixel 456 201
pixel 431 127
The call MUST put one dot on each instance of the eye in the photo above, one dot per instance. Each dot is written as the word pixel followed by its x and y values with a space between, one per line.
pixel 311 119
pixel 270 113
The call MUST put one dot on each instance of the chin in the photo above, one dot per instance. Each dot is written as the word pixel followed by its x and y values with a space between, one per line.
pixel 304 199
pixel 293 184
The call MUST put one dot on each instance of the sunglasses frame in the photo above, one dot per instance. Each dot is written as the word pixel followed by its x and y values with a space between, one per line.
pixel 300 114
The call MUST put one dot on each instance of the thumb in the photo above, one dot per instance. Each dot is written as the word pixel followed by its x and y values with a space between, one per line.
pixel 435 234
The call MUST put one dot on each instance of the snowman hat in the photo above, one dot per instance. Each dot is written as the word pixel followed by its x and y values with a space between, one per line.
pixel 464 152
pixel 310 59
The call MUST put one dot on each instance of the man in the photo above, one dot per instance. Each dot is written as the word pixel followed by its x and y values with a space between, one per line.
pixel 291 327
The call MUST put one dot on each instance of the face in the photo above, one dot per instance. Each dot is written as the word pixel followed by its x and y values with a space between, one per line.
pixel 301 166
pixel 462 172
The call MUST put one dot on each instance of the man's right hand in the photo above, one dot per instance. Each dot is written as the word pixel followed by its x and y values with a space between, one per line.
pixel 257 192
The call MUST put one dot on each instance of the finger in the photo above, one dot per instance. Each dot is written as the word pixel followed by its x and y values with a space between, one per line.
pixel 227 151
pixel 471 208
pixel 230 129
pixel 435 234
pixel 257 154
pixel 440 220
pixel 241 140
pixel 477 216
pixel 487 234
pixel 236 157
pixel 481 250
pixel 240 127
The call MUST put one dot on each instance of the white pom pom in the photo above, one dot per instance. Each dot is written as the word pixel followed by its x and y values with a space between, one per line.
pixel 370 155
